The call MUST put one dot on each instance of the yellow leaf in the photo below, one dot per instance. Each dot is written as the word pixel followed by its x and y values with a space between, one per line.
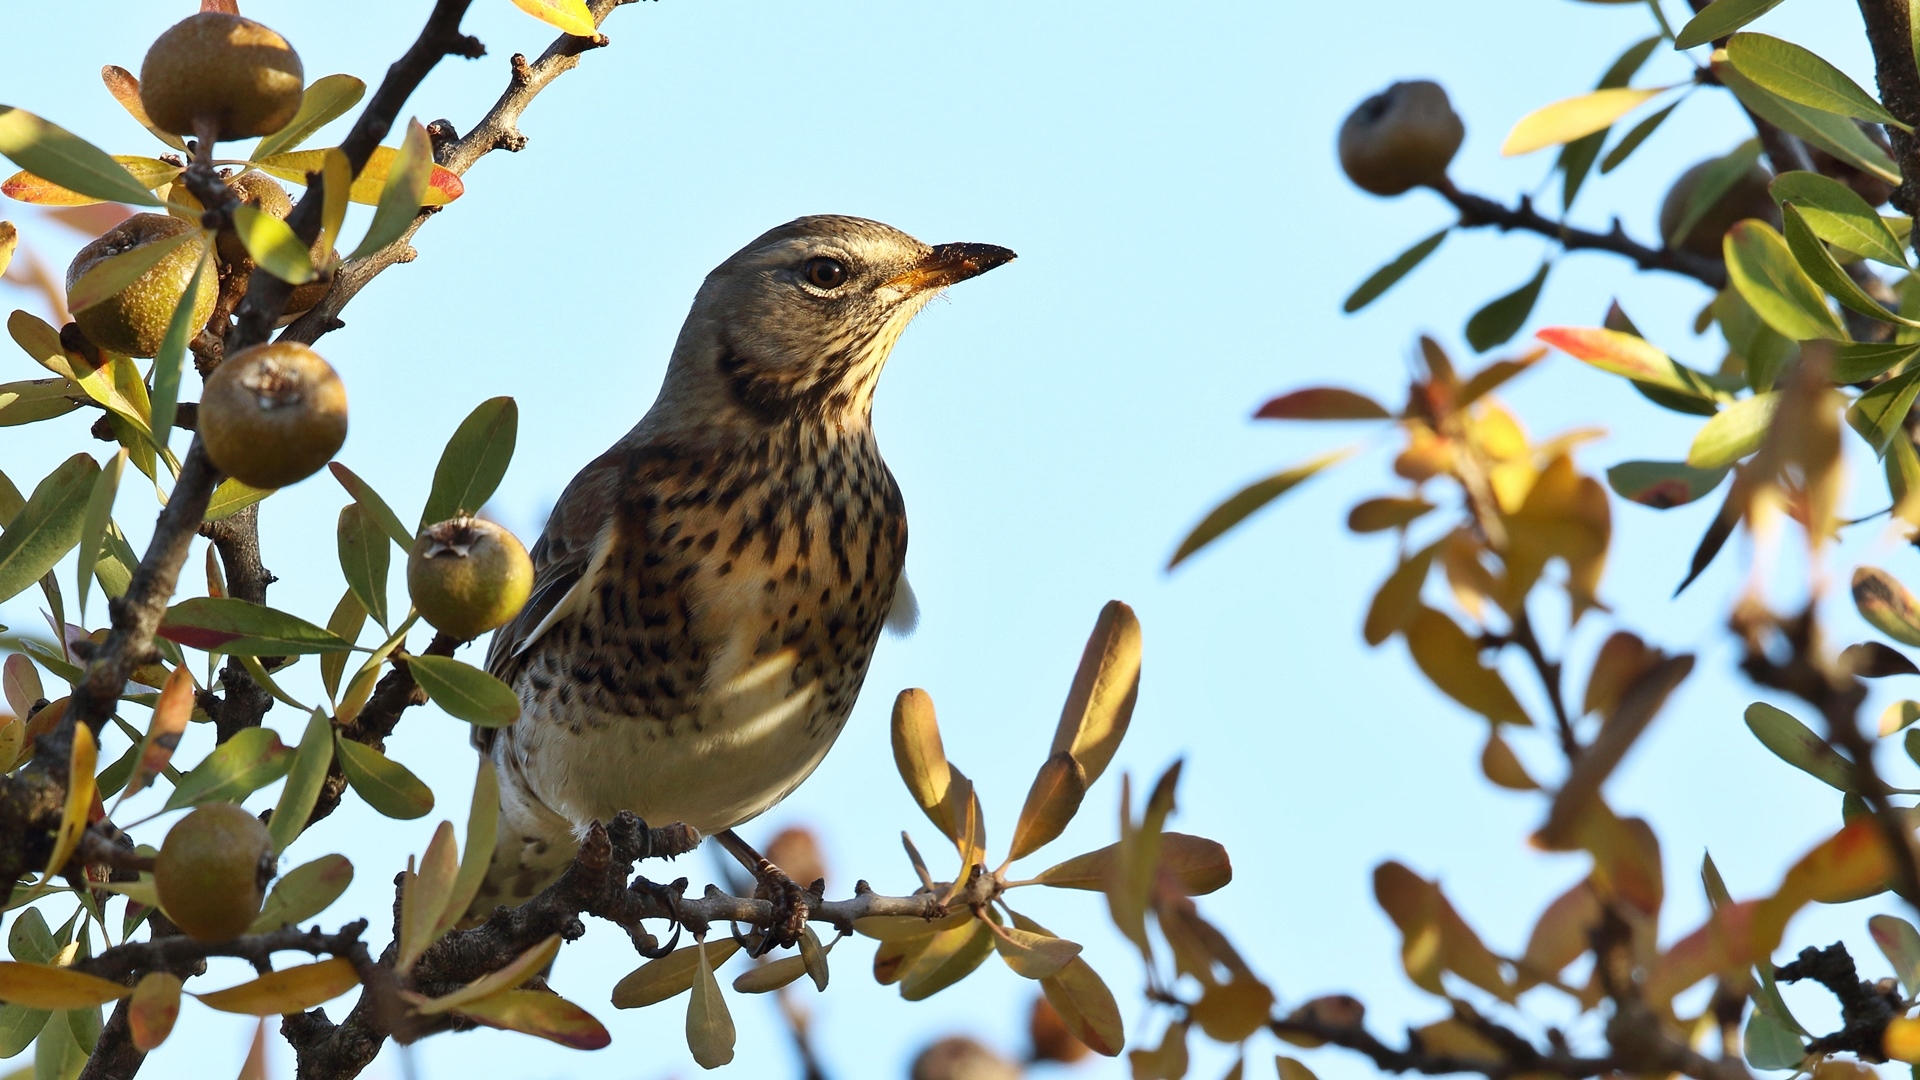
pixel 897 928
pixel 424 896
pixel 1083 1001
pixel 1902 1040
pixel 948 957
pixel 1034 956
pixel 39 986
pixel 921 758
pixel 9 239
pixel 771 976
pixel 1100 702
pixel 535 1012
pixel 570 16
pixel 155 1006
pixel 1232 1011
pixel 170 715
pixel 671 975
pixel 80 797
pixel 1201 865
pixel 709 1025
pixel 443 186
pixel 295 989
pixel 1569 119
pixel 1051 803
pixel 1451 661
pixel 524 967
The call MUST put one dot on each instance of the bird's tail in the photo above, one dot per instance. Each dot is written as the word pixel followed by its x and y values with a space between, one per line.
pixel 532 847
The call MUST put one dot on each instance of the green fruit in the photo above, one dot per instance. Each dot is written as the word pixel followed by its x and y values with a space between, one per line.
pixel 273 414
pixel 212 871
pixel 134 320
pixel 263 193
pixel 1400 138
pixel 1747 198
pixel 468 576
pixel 233 73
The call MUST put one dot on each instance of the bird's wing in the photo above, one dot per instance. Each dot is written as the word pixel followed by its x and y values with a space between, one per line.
pixel 562 560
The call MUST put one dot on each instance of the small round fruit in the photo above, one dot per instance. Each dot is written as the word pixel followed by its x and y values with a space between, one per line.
pixel 303 297
pixel 134 320
pixel 263 193
pixel 271 415
pixel 468 576
pixel 212 871
pixel 1400 138
pixel 236 74
pixel 1747 198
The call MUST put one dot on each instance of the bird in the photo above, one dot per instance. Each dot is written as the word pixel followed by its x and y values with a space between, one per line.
pixel 709 591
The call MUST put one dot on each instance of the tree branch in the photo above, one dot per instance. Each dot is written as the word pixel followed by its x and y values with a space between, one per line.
pixel 376 720
pixel 1477 211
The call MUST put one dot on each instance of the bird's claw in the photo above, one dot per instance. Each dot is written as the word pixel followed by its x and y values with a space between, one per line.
pixel 791 906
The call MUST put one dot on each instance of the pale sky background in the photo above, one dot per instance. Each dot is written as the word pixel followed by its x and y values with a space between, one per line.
pixel 1166 174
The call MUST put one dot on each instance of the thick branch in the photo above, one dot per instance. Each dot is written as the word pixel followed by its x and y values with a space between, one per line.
pixel 1888 34
pixel 1477 211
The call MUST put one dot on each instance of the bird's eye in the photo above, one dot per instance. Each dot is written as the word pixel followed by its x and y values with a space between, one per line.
pixel 825 273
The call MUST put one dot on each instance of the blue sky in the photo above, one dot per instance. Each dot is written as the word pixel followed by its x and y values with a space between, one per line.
pixel 1166 174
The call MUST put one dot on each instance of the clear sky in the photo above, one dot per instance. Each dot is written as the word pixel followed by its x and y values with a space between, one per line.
pixel 1166 173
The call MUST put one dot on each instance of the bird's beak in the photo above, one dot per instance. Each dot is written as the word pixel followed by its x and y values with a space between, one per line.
pixel 949 264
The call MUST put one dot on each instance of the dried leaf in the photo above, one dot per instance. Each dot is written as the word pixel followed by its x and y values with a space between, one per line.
pixel 291 990
pixel 922 760
pixel 40 986
pixel 546 1015
pixel 154 1008
pixel 1249 499
pixel 424 895
pixel 1200 865
pixel 1100 702
pixel 1322 403
pixel 948 957
pixel 1034 956
pixel 1451 661
pixel 1051 803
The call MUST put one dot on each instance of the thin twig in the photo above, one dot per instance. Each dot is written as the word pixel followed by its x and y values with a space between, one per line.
pixel 1477 211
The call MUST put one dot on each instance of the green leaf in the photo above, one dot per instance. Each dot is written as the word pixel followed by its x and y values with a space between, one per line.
pixel 1502 318
pixel 1389 275
pixel 304 779
pixel 1857 363
pixel 483 828
pixel 232 496
pixel 53 153
pixel 168 362
pixel 48 526
pixel 386 784
pixel 303 892
pixel 464 691
pixel 93 527
pixel 1794 743
pixel 1798 75
pixel 404 193
pixel 1663 484
pixel 1769 1044
pixel 336 174
pixel 250 760
pixel 1566 120
pixel 1634 137
pixel 347 620
pixel 33 400
pixel 474 461
pixel 373 504
pixel 710 1033
pixel 1838 215
pixel 1734 433
pixel 1900 943
pixel 273 245
pixel 1879 413
pixel 1819 265
pixel 1837 135
pixel 1576 161
pixel 1250 498
pixel 239 628
pixel 19 1026
pixel 328 98
pixel 1762 267
pixel 108 277
pixel 364 557
pixel 1720 18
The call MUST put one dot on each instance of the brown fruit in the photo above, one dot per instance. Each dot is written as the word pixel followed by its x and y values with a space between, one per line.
pixel 273 414
pixel 135 320
pixel 1400 138
pixel 467 576
pixel 1747 198
pixel 303 297
pixel 235 73
pixel 957 1057
pixel 212 871
pixel 1052 1040
pixel 797 851
pixel 263 193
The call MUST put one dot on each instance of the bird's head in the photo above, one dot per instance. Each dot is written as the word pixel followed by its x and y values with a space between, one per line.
pixel 798 324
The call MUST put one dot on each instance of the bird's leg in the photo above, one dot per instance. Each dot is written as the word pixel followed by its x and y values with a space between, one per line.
pixel 790 908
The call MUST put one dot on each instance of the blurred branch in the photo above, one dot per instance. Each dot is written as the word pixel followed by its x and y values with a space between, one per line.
pixel 497 130
pixel 1477 211
pixel 1865 1008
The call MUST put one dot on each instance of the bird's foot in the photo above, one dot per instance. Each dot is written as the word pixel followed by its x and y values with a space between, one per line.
pixel 791 906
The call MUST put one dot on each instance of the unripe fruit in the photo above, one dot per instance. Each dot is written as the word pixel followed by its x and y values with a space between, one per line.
pixel 263 193
pixel 239 76
pixel 467 576
pixel 1747 198
pixel 212 871
pixel 1400 138
pixel 271 415
pixel 134 321
pixel 303 297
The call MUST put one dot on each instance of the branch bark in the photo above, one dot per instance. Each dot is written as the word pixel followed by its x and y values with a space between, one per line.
pixel 1478 211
